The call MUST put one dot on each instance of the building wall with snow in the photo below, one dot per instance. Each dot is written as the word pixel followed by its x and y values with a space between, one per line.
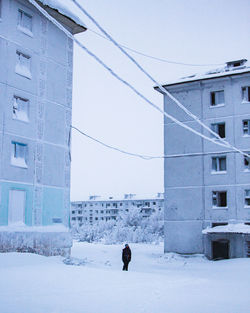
pixel 191 179
pixel 36 66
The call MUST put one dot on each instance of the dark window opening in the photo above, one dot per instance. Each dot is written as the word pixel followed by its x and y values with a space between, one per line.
pixel 219 198
pixel 220 249
pixel 56 220
pixel 248 249
pixel 219 224
pixel 245 94
pixel 217 97
pixel 219 128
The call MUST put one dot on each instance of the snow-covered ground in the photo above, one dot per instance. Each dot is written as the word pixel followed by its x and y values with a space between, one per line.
pixel 155 283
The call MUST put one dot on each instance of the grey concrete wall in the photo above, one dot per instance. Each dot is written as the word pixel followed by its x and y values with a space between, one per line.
pixel 189 179
pixel 183 237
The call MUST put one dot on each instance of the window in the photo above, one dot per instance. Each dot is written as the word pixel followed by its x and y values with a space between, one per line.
pixel 19 154
pixel 73 212
pixel 219 164
pixel 247 162
pixel 219 224
pixel 56 220
pixel 25 22
pixel 20 109
pixel 219 199
pixel 0 9
pixel 246 127
pixel 23 64
pixel 245 93
pixel 247 198
pixel 219 128
pixel 217 98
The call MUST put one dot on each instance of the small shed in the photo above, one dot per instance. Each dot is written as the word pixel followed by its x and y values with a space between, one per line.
pixel 227 241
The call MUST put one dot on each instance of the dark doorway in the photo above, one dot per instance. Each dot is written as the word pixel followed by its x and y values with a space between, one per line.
pixel 220 249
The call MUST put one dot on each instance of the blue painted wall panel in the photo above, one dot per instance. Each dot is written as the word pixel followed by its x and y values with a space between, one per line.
pixel 52 205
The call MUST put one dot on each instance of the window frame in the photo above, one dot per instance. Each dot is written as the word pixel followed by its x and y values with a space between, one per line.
pixel 216 196
pixel 16 107
pixel 215 128
pixel 247 127
pixel 19 161
pixel 247 198
pixel 217 161
pixel 21 22
pixel 246 160
pixel 20 68
pixel 213 98
pixel 247 93
pixel 1 9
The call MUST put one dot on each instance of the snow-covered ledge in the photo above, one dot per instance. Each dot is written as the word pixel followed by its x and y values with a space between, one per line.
pixel 44 240
pixel 238 228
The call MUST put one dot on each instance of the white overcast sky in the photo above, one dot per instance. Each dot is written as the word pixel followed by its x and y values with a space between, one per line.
pixel 194 31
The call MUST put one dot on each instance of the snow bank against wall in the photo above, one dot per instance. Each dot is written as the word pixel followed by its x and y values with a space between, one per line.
pixel 48 241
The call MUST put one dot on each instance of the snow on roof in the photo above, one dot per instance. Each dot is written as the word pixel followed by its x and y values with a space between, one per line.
pixel 65 7
pixel 128 197
pixel 239 228
pixel 230 68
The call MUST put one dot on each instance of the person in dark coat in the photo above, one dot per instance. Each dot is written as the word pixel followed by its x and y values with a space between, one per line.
pixel 126 257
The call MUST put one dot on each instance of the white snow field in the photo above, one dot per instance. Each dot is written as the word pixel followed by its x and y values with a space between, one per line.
pixel 155 283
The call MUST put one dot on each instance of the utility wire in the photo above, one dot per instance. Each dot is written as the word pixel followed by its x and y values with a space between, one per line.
pixel 50 18
pixel 156 58
pixel 155 82
pixel 142 156
pixel 145 157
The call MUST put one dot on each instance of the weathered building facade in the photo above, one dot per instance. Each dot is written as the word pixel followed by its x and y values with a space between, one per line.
pixel 207 185
pixel 36 63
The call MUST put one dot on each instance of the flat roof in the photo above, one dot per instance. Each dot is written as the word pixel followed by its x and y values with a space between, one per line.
pixel 228 70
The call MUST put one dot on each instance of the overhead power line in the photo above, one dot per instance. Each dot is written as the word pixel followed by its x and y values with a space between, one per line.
pixel 50 18
pixel 157 58
pixel 145 157
pixel 156 82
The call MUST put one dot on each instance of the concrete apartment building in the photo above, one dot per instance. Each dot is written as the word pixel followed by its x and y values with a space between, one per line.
pixel 208 186
pixel 97 209
pixel 36 61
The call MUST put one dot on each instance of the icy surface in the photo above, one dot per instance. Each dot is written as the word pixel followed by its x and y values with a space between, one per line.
pixel 155 283
pixel 20 162
pixel 65 7
pixel 239 228
pixel 23 71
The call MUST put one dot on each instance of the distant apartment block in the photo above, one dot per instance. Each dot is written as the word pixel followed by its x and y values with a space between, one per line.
pixel 97 209
pixel 208 186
